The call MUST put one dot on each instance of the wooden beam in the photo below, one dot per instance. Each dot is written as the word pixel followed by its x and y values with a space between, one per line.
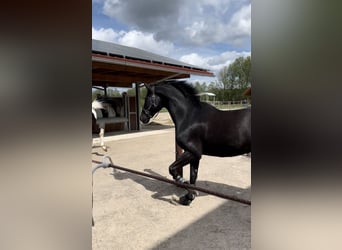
pixel 126 80
pixel 137 104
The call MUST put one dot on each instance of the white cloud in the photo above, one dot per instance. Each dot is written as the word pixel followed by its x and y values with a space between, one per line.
pixel 214 63
pixel 146 41
pixel 199 22
pixel 134 38
pixel 195 59
pixel 234 31
pixel 108 35
pixel 241 22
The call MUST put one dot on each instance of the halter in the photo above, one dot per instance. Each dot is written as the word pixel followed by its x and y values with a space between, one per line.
pixel 153 104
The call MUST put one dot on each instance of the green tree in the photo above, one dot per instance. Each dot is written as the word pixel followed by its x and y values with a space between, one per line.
pixel 95 93
pixel 143 92
pixel 113 92
pixel 235 78
pixel 200 87
pixel 216 87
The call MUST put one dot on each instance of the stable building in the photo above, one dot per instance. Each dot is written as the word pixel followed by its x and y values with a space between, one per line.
pixel 119 66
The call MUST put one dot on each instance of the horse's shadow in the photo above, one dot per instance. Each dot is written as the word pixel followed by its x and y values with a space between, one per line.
pixel 97 153
pixel 162 191
pixel 96 149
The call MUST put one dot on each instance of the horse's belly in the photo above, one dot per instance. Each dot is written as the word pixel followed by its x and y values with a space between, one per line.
pixel 226 151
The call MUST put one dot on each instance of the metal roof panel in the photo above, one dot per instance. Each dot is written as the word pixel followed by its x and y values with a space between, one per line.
pixel 121 51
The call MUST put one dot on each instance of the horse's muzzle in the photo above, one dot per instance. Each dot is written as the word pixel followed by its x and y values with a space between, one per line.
pixel 144 118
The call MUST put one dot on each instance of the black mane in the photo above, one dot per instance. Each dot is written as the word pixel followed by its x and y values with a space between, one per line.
pixel 185 88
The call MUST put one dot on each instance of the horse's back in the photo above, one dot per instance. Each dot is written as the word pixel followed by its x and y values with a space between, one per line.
pixel 226 133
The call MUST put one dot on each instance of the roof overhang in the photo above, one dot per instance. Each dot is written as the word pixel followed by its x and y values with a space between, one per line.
pixel 122 68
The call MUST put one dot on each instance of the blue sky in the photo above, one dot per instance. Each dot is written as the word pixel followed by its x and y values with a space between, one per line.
pixel 207 33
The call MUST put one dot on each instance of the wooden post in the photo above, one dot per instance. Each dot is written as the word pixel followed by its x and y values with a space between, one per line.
pixel 137 106
pixel 105 90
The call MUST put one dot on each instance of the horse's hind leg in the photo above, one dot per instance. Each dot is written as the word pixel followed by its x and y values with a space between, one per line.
pixel 101 134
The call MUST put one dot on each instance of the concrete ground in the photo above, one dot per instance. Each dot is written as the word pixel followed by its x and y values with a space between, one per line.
pixel 134 212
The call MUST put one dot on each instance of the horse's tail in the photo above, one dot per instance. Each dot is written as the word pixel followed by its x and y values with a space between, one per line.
pixel 97 105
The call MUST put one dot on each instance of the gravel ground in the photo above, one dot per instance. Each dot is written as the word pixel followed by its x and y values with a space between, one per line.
pixel 134 212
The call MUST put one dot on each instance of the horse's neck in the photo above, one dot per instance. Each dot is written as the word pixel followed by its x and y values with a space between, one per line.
pixel 178 107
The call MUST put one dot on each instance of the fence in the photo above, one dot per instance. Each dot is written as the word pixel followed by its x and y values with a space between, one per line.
pixel 230 104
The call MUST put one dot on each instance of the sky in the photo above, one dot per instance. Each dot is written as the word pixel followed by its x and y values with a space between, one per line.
pixel 209 34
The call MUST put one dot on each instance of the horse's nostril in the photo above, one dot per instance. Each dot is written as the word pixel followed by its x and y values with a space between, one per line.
pixel 144 119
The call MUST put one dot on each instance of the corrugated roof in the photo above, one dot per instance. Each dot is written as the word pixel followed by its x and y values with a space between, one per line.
pixel 121 51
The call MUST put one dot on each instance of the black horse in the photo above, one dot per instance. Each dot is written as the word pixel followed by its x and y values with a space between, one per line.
pixel 200 127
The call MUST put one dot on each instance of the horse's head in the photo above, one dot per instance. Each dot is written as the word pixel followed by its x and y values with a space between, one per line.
pixel 153 104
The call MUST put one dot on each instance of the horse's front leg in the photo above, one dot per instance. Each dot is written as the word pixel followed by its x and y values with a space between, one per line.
pixel 183 160
pixel 194 171
pixel 191 195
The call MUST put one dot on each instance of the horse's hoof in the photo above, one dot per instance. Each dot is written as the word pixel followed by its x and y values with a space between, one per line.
pixel 187 199
pixel 184 200
pixel 181 180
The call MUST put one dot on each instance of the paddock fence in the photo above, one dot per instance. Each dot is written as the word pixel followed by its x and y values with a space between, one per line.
pixel 224 105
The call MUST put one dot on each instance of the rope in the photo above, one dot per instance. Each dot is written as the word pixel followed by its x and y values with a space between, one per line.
pixel 163 179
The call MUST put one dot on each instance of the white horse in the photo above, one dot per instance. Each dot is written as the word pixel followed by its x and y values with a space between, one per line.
pixel 96 109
